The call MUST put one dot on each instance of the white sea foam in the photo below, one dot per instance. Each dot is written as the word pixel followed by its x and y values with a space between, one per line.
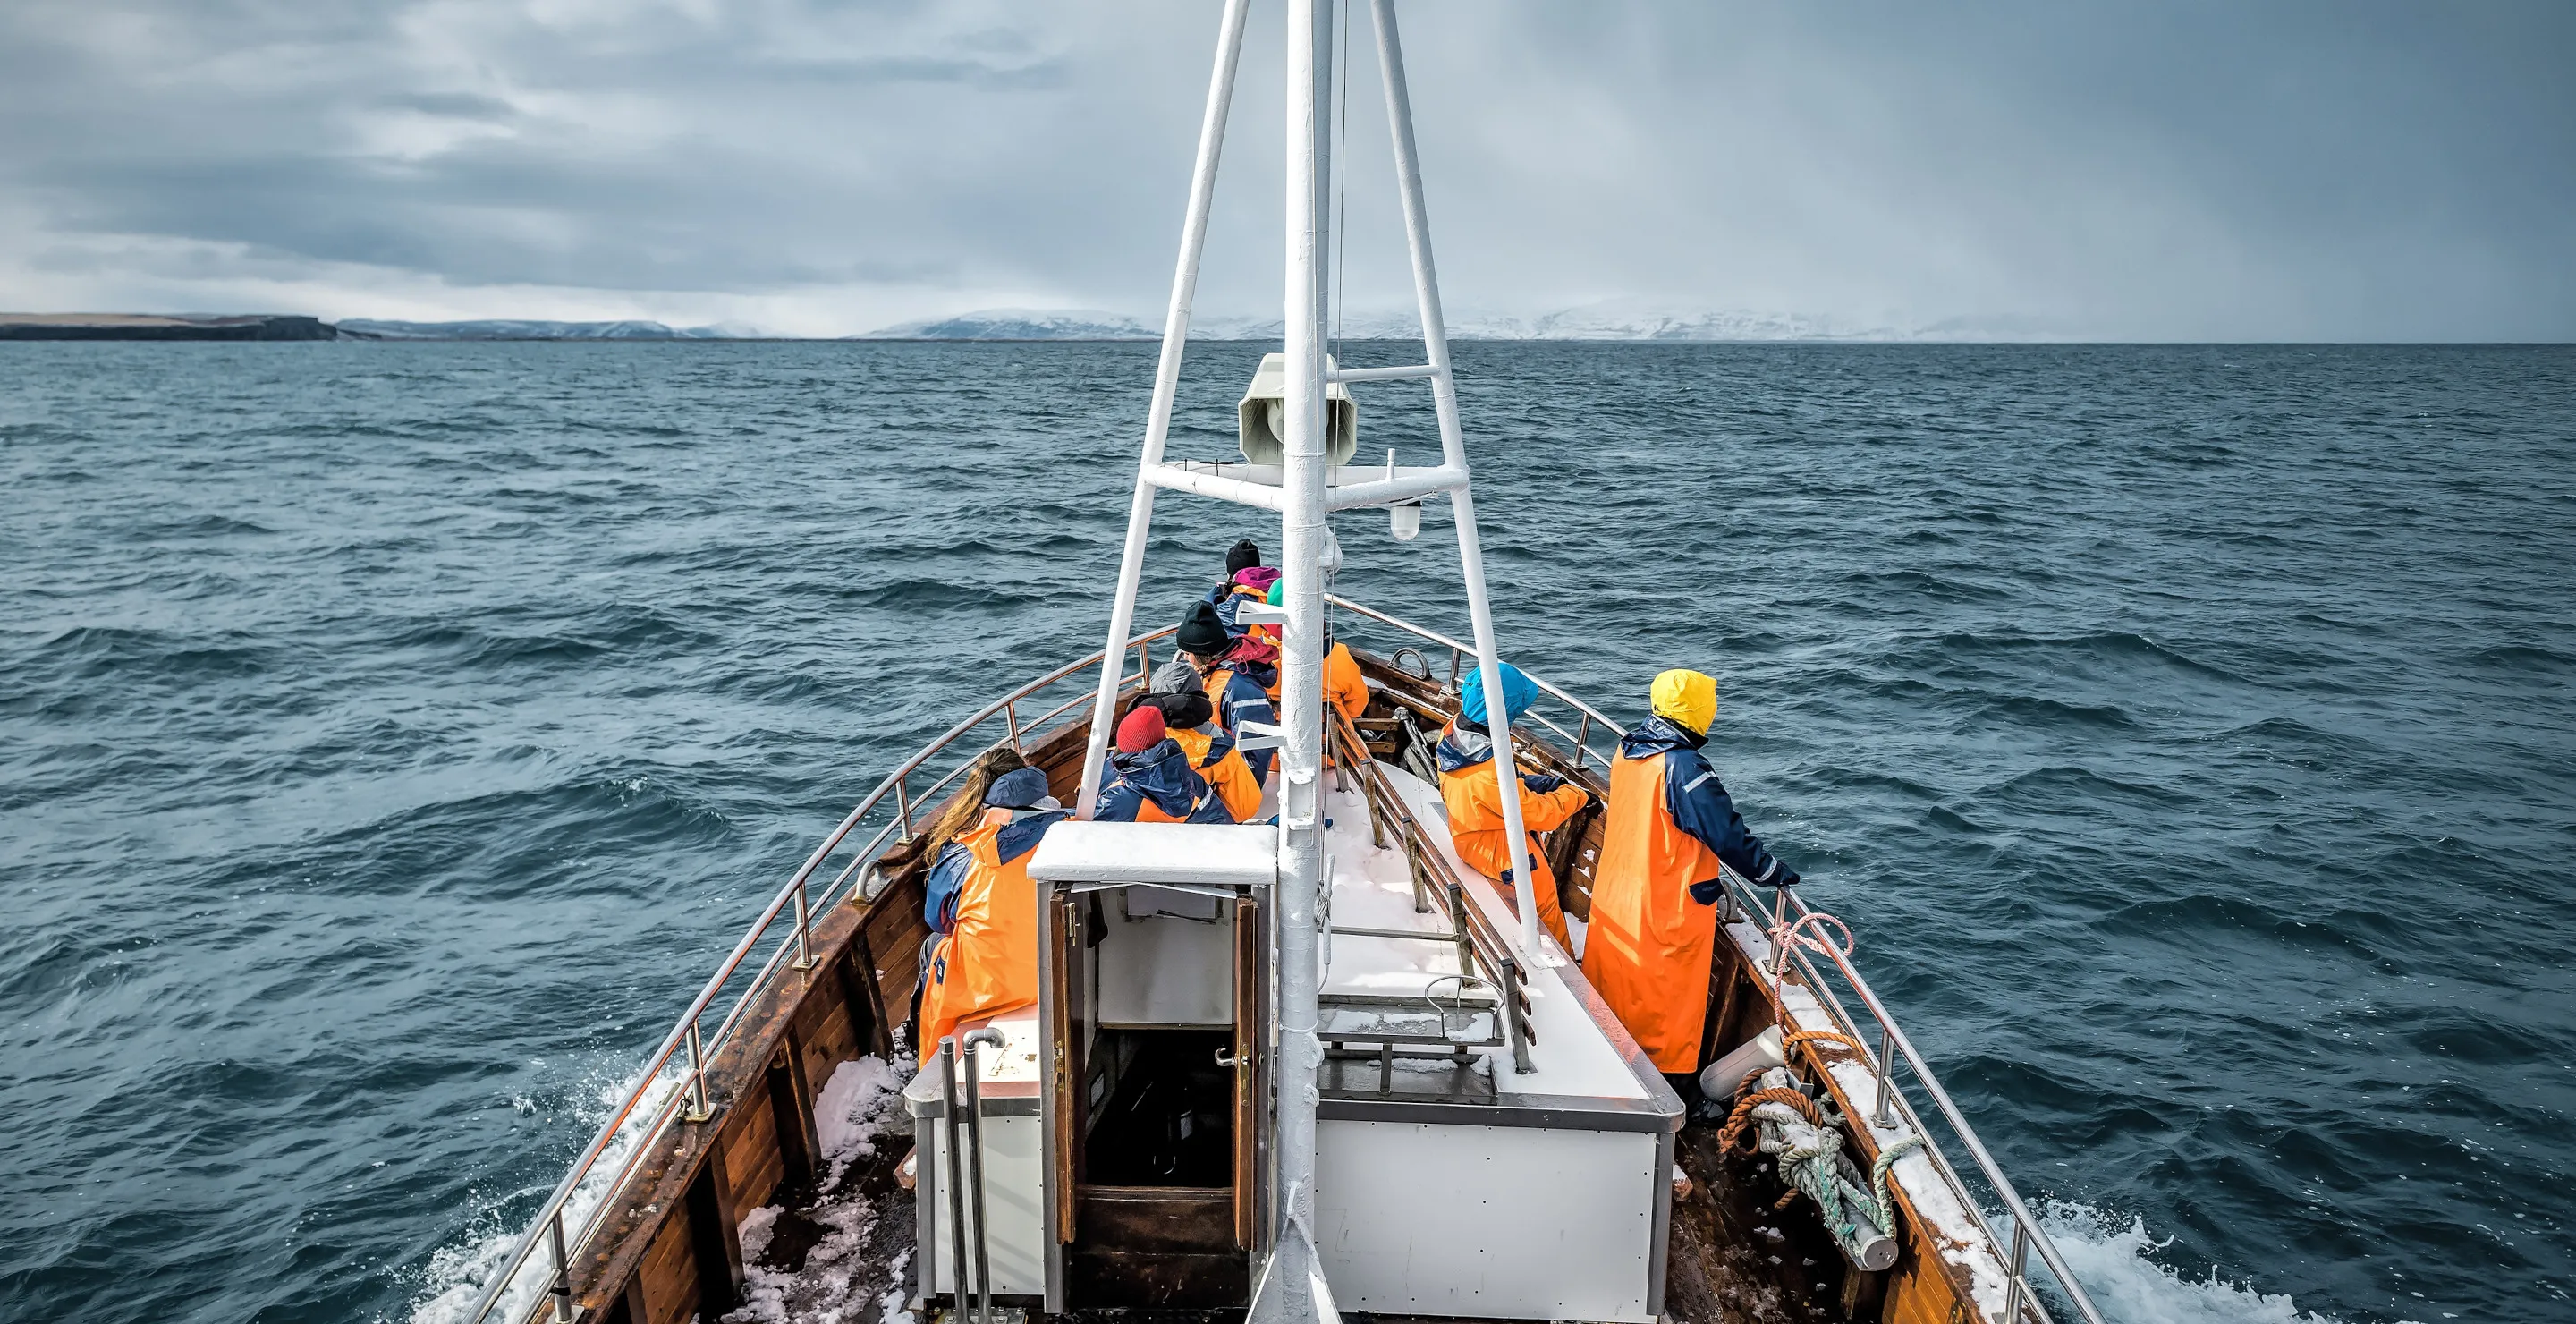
pixel 457 1274
pixel 2117 1266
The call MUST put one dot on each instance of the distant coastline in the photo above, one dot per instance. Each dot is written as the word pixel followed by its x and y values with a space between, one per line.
pixel 144 326
pixel 1615 321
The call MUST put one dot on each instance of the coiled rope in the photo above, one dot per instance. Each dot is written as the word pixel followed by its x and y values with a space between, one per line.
pixel 1796 1037
pixel 1829 1142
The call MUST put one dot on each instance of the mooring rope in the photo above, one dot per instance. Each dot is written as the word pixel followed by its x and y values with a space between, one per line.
pixel 1796 1037
pixel 1887 1156
pixel 1736 1121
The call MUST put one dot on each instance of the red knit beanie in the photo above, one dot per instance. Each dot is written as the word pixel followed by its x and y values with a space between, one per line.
pixel 1142 730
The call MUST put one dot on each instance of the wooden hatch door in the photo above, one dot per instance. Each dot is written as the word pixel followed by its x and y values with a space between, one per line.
pixel 1253 1116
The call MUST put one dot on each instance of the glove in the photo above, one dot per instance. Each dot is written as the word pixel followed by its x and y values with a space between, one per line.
pixel 1707 893
pixel 1541 782
pixel 1788 877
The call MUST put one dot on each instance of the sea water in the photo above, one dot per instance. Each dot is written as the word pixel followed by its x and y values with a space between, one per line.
pixel 392 737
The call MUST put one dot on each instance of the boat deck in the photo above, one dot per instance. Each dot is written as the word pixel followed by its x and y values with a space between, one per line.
pixel 1583 1060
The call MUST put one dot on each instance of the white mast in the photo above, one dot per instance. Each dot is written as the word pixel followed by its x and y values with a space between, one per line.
pixel 1301 679
pixel 1453 452
pixel 1167 382
pixel 1302 497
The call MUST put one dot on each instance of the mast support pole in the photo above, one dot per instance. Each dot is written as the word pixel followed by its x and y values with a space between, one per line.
pixel 1167 381
pixel 1453 451
pixel 1291 1298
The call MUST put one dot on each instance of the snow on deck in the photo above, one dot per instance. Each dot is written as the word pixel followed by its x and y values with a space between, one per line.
pixel 856 1237
pixel 1372 888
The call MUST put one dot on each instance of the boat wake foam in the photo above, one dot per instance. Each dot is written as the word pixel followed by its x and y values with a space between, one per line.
pixel 2118 1267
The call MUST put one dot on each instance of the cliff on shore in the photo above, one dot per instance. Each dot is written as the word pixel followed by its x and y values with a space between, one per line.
pixel 139 326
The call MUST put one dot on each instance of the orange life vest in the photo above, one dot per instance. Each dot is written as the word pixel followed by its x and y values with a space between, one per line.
pixel 988 963
pixel 1648 947
pixel 1476 829
pixel 1229 774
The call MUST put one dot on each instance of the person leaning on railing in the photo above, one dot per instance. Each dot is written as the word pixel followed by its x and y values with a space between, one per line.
pixel 1471 788
pixel 1669 826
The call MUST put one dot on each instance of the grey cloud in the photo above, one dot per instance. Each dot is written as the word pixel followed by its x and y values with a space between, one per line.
pixel 2364 170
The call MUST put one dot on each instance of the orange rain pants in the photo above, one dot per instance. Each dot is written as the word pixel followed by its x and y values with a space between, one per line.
pixel 1476 829
pixel 988 963
pixel 1648 947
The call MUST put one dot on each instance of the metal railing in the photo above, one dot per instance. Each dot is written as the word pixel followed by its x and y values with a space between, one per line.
pixel 564 1228
pixel 1478 940
pixel 1788 911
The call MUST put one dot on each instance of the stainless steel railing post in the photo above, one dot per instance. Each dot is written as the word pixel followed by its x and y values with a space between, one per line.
pixel 975 1160
pixel 698 1110
pixel 1011 714
pixel 1780 933
pixel 804 931
pixel 903 808
pixel 950 1128
pixel 562 1289
pixel 2020 1261
pixel 1882 1114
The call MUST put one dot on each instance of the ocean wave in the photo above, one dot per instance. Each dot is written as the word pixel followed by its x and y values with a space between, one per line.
pixel 2117 1264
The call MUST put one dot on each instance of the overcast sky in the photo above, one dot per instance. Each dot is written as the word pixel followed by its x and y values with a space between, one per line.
pixel 2233 170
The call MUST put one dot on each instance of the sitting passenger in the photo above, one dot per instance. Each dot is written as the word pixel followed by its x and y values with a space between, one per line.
pixel 1190 720
pixel 980 900
pixel 1242 556
pixel 1238 686
pixel 1253 585
pixel 1151 780
pixel 1469 786
pixel 1344 687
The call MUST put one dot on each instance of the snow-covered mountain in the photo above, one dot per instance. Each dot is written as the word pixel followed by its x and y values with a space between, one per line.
pixel 1022 324
pixel 507 329
pixel 1612 320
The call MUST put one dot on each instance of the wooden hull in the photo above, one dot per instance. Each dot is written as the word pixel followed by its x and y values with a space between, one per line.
pixel 667 1248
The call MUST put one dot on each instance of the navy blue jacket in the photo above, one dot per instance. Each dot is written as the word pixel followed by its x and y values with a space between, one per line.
pixel 1247 698
pixel 1698 803
pixel 948 877
pixel 1163 775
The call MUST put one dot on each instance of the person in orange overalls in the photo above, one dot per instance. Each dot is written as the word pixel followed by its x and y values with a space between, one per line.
pixel 1344 687
pixel 1190 720
pixel 979 899
pixel 1669 826
pixel 1470 785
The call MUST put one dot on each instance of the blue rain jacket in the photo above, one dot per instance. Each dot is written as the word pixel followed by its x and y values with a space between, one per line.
pixel 1160 776
pixel 1698 804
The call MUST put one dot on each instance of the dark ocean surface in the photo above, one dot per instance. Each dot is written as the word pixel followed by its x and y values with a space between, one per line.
pixel 392 736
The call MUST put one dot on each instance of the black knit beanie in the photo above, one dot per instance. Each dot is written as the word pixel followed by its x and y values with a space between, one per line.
pixel 1202 632
pixel 1242 556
